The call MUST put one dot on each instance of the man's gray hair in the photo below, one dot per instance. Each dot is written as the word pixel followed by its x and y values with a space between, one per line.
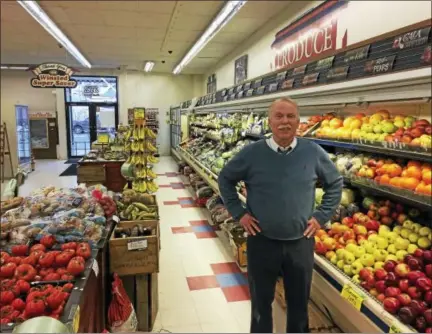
pixel 282 99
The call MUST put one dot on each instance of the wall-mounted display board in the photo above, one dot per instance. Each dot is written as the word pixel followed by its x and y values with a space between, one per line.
pixel 407 48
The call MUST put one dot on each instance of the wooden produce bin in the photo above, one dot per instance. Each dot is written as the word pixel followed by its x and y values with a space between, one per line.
pixel 106 172
pixel 90 173
pixel 239 249
pixel 135 255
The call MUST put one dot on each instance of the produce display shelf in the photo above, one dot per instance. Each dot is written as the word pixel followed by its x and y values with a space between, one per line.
pixel 415 155
pixel 370 307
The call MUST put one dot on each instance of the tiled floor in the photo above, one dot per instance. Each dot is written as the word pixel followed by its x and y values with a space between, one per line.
pixel 201 289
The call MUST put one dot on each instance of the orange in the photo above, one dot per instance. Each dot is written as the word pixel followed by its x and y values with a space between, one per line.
pixel 394 170
pixel 396 182
pixel 426 167
pixel 420 188
pixel 385 179
pixel 410 183
pixel 427 189
pixel 404 173
pixel 414 163
pixel 414 171
pixel 427 177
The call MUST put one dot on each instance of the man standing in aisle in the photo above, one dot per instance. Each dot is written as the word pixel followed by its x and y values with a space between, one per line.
pixel 280 175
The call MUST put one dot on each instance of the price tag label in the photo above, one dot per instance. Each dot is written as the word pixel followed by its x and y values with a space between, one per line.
pixel 139 113
pixel 95 267
pixel 76 320
pixel 352 296
pixel 103 138
pixel 134 245
pixel 394 329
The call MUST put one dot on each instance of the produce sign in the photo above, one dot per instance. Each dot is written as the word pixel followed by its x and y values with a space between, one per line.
pixel 357 54
pixel 412 39
pixel 53 75
pixel 352 296
pixel 380 65
pixel 426 56
pixel 337 73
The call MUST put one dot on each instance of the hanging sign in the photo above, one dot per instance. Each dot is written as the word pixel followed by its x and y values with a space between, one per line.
pixel 310 78
pixel 287 84
pixel 357 54
pixel 139 113
pixel 380 65
pixel 103 138
pixel 53 75
pixel 412 39
pixel 336 73
pixel 324 63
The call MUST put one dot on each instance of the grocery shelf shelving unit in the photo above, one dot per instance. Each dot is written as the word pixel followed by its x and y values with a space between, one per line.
pixel 413 86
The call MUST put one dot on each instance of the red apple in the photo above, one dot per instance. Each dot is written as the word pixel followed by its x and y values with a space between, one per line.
pixel 428 316
pixel 402 269
pixel 390 265
pixel 402 217
pixel 361 237
pixel 364 274
pixel 380 286
pixel 349 235
pixel 418 253
pixel 320 248
pixel 428 330
pixel 414 275
pixel 391 305
pixel 421 122
pixel 417 132
pixel 415 263
pixel 414 293
pixel 404 299
pixel 380 274
pixel 384 211
pixel 428 130
pixel 418 305
pixel 428 270
pixel 407 315
pixel 408 257
pixel 368 284
pixel 427 256
pixel 404 285
pixel 392 291
pixel 374 292
pixel 399 132
pixel 424 284
pixel 372 225
pixel 348 221
pixel 428 297
pixel 392 279
pixel 420 324
pixel 381 297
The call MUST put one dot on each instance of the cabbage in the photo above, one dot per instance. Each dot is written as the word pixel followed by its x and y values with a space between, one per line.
pixel 348 197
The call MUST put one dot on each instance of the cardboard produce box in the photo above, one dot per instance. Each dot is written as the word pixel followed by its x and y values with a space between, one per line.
pixel 135 255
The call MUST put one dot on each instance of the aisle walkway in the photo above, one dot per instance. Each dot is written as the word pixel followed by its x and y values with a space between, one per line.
pixel 201 289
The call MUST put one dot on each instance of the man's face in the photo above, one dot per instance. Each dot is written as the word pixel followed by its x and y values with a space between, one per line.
pixel 284 120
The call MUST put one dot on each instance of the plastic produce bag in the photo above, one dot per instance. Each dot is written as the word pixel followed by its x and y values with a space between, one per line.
pixel 121 314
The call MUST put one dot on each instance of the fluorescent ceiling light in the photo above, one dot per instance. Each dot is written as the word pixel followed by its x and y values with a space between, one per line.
pixel 42 18
pixel 224 16
pixel 11 67
pixel 149 66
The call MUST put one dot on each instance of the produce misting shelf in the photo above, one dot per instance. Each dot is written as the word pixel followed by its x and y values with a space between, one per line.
pixel 370 307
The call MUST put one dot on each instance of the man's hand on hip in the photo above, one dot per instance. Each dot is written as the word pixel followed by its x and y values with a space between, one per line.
pixel 250 224
pixel 313 227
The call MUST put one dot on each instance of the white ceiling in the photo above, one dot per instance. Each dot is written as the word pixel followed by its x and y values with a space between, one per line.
pixel 127 33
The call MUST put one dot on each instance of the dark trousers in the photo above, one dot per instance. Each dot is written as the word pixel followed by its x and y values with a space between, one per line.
pixel 267 259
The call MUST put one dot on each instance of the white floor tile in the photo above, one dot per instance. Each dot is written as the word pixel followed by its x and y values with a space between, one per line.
pixel 220 327
pixel 178 317
pixel 184 329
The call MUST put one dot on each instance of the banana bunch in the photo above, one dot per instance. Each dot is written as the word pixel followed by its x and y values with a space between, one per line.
pixel 139 186
pixel 135 132
pixel 150 133
pixel 141 132
pixel 140 172
pixel 151 174
pixel 127 146
pixel 152 160
pixel 150 147
pixel 135 146
pixel 152 187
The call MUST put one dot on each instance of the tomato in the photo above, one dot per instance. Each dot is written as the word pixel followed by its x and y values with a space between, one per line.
pixel 15 290
pixel 14 259
pixel 25 272
pixel 36 247
pixel 36 294
pixel 6 297
pixel 67 277
pixel 58 310
pixel 80 259
pixel 35 307
pixel 83 250
pixel 31 259
pixel 37 254
pixel 5 321
pixel 61 271
pixel 52 277
pixel 15 314
pixel 48 240
pixel 69 245
pixel 4 257
pixel 64 257
pixel 23 286
pixel 8 269
pixel 68 287
pixel 6 284
pixel 54 299
pixel 47 260
pixel 20 250
pixel 75 266
pixel 18 304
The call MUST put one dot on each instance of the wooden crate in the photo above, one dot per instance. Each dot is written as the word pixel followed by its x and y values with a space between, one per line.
pixel 135 255
pixel 91 173
pixel 239 251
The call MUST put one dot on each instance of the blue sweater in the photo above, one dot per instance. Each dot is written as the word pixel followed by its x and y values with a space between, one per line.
pixel 281 188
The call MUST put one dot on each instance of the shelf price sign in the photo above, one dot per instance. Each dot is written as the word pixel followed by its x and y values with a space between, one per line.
pixel 352 296
pixel 103 138
pixel 139 113
pixel 394 329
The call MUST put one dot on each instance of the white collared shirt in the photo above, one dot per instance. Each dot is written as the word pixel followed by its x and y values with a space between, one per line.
pixel 275 147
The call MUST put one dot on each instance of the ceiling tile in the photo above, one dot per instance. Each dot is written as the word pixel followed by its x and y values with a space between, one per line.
pixel 204 8
pixel 162 7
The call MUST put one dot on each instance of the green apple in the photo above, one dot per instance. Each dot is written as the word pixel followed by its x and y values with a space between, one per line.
pixel 356 267
pixel 378 265
pixel 382 243
pixel 416 227
pixel 408 224
pixel 424 243
pixel 413 237
pixel 367 260
pixel 351 248
pixel 411 248
pixel 359 252
pixel 380 254
pixel 383 230
pixel 378 128
pixel 401 243
pixel 370 248
pixel 424 231
pixel 356 279
pixel 349 258
pixel 340 253
pixel 391 257
pixel 347 270
pixel 392 249
pixel 399 123
pixel 397 229
pixel 400 254
pixel 334 259
pixel 391 237
pixel 388 127
pixel 340 264
pixel 373 238
pixel 405 232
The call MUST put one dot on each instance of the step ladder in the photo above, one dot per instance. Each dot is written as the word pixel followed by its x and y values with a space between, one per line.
pixel 5 151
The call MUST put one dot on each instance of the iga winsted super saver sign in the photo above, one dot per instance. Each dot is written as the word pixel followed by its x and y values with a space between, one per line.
pixel 52 75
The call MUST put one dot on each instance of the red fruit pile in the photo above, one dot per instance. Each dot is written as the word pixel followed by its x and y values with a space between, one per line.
pixel 405 288
pixel 108 205
pixel 38 263
pixel 19 302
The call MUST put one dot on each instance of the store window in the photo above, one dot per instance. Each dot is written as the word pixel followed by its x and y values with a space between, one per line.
pixel 93 89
